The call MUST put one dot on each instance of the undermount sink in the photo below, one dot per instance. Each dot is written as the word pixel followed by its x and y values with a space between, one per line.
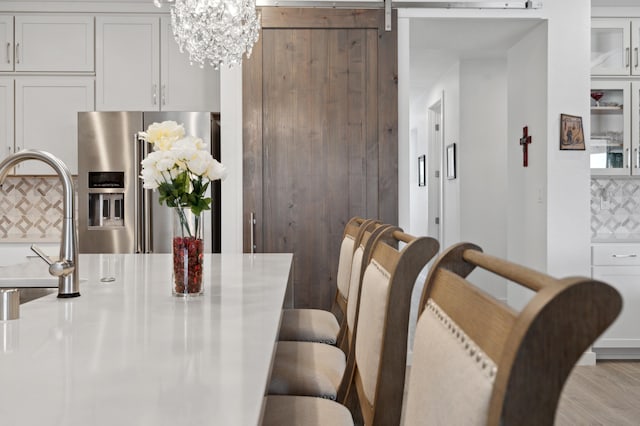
pixel 30 294
pixel 27 272
pixel 20 268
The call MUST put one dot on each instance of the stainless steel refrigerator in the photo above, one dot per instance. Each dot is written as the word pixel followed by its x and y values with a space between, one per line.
pixel 115 214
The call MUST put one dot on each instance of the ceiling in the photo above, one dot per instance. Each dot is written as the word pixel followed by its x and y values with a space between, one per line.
pixel 468 36
pixel 436 44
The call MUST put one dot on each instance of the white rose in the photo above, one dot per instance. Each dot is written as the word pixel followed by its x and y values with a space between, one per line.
pixel 199 162
pixel 163 135
pixel 216 170
pixel 167 161
pixel 151 178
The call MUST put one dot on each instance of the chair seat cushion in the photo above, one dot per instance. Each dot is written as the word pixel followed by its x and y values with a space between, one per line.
pixel 309 325
pixel 283 410
pixel 308 369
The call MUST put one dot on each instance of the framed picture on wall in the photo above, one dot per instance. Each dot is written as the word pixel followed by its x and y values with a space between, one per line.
pixel 451 161
pixel 422 179
pixel 571 134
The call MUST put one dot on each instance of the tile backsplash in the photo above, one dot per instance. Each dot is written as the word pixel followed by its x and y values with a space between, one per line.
pixel 31 208
pixel 615 206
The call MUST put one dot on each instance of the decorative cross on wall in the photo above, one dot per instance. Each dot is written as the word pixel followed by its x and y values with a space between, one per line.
pixel 525 140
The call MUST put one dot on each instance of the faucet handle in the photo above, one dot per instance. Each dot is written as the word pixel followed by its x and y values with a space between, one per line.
pixel 60 268
pixel 37 250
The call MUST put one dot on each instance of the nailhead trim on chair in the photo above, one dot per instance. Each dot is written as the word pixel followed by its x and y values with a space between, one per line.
pixel 484 362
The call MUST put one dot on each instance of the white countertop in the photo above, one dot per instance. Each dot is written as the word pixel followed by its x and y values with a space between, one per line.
pixel 130 353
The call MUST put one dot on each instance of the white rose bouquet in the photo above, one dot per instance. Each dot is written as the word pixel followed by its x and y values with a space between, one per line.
pixel 179 167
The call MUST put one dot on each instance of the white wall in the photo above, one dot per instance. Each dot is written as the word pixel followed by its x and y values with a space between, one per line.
pixel 405 168
pixel 231 156
pixel 482 162
pixel 449 85
pixel 527 186
pixel 568 174
pixel 421 100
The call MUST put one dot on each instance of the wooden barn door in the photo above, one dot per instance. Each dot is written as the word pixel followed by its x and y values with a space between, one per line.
pixel 320 137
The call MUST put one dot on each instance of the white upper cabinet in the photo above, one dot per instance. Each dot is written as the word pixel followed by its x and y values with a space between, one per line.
pixel 6 116
pixel 53 43
pixel 615 45
pixel 46 43
pixel 611 114
pixel 127 63
pixel 185 87
pixel 46 116
pixel 139 67
pixel 6 43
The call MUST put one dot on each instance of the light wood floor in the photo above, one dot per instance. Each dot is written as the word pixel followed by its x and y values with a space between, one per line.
pixel 605 394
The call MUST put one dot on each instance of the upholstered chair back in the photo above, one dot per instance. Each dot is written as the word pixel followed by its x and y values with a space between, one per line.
pixel 476 361
pixel 382 324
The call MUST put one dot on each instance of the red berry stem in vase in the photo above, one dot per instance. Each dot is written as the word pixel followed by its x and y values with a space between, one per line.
pixel 188 256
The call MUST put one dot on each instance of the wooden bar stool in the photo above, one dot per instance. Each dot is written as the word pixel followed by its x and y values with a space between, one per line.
pixel 374 372
pixel 317 325
pixel 476 361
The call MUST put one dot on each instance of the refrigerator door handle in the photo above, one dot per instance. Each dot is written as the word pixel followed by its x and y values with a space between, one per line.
pixel 142 222
pixel 137 189
pixel 146 225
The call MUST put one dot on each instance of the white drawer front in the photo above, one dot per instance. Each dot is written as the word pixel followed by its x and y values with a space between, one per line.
pixel 615 254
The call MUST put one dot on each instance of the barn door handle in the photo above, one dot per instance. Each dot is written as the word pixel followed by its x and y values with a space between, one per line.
pixel 252 226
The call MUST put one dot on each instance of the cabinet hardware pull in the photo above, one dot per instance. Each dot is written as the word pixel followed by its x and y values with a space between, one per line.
pixel 155 94
pixel 636 60
pixel 637 158
pixel 163 95
pixel 626 57
pixel 17 53
pixel 622 256
pixel 8 53
pixel 628 159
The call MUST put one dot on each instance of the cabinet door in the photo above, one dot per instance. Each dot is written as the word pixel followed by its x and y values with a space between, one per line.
pixel 6 43
pixel 635 128
pixel 127 63
pixel 624 332
pixel 635 46
pixel 6 116
pixel 610 128
pixel 610 46
pixel 185 87
pixel 53 43
pixel 47 118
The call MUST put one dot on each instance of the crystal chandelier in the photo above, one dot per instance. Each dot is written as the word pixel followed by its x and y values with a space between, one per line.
pixel 217 32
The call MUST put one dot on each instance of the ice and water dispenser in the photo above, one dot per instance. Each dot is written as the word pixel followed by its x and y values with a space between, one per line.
pixel 106 199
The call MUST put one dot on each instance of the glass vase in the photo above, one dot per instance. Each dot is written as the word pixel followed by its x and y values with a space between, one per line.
pixel 188 252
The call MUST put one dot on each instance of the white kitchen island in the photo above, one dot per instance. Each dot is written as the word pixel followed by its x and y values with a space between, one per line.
pixel 128 352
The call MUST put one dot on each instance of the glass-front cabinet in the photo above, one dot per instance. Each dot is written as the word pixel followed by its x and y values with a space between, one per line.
pixel 611 144
pixel 615 46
